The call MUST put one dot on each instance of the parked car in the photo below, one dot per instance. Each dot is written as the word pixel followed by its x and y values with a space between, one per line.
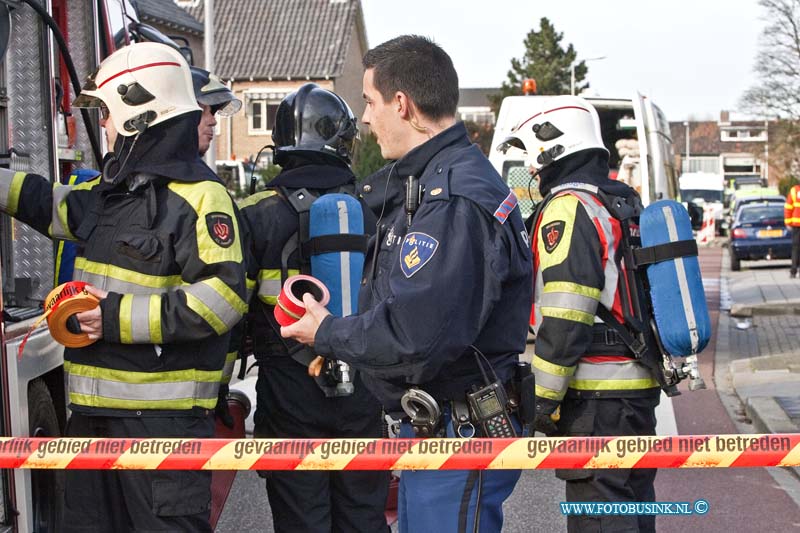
pixel 743 197
pixel 758 232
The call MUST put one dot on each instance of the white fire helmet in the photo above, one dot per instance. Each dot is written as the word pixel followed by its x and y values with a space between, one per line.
pixel 142 84
pixel 559 127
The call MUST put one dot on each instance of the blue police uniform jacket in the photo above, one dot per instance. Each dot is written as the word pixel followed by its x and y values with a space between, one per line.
pixel 458 276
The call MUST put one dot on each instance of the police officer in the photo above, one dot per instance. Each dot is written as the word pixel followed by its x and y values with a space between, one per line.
pixel 581 364
pixel 160 246
pixel 448 286
pixel 314 134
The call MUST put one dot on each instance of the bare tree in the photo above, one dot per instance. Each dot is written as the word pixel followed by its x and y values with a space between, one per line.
pixel 777 92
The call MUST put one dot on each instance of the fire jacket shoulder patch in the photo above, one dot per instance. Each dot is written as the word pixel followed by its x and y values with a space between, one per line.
pixel 220 228
pixel 552 232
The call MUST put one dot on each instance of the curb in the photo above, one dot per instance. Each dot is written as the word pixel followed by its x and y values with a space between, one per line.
pixel 769 417
pixel 765 309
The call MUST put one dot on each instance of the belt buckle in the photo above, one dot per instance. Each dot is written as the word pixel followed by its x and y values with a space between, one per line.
pixel 610 337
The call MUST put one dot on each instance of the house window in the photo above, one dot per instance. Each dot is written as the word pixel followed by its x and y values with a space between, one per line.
pixel 743 135
pixel 262 116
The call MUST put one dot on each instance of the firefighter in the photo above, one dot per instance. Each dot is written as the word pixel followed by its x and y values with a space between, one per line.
pixel 314 134
pixel 448 281
pixel 791 217
pixel 160 244
pixel 215 99
pixel 584 371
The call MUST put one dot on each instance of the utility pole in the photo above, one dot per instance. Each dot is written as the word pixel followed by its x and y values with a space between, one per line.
pixel 208 51
pixel 688 145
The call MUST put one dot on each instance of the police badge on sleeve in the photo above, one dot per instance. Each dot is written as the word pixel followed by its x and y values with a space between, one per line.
pixel 220 228
pixel 416 251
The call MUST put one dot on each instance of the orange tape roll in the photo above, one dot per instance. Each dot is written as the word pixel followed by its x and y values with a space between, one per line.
pixel 290 306
pixel 60 304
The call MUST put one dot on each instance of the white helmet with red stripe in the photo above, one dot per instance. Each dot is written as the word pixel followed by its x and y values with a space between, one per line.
pixel 559 127
pixel 142 85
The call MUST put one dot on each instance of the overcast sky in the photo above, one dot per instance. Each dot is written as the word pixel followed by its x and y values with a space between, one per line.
pixel 693 57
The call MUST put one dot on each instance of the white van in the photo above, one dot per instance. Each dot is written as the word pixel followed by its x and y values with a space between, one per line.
pixel 624 123
pixel 706 189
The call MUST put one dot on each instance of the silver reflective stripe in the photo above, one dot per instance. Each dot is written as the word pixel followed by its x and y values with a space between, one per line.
pixel 119 390
pixel 214 301
pixel 140 319
pixel 567 300
pixel 551 381
pixel 117 285
pixel 615 371
pixel 683 283
pixel 601 214
pixel 344 262
pixel 60 195
pixel 269 287
pixel 6 178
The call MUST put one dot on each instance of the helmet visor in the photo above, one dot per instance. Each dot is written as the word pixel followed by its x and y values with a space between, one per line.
pixel 510 142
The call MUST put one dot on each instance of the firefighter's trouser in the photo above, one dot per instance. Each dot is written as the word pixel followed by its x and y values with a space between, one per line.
pixel 609 417
pixel 116 501
pixel 290 404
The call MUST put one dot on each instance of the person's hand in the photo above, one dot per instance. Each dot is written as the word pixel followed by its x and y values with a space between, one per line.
pixel 91 322
pixel 545 424
pixel 305 329
pixel 315 367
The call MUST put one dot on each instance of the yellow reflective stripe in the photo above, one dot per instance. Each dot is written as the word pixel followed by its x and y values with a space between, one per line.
pixel 250 284
pixel 197 305
pixel 255 198
pixel 129 276
pixel 227 370
pixel 561 208
pixel 117 403
pixel 552 368
pixel 126 319
pixel 574 288
pixel 568 314
pixel 613 384
pixel 269 284
pixel 544 392
pixel 128 376
pixel 14 190
pixel 207 197
pixel 154 316
pixel 227 294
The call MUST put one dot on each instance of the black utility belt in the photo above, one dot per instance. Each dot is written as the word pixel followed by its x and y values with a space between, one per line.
pixel 487 411
pixel 606 341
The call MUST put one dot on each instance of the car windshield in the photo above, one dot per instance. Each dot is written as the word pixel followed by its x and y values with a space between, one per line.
pixel 701 195
pixel 761 214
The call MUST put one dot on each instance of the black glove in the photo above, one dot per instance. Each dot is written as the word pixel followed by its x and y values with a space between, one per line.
pixel 221 410
pixel 544 424
pixel 545 420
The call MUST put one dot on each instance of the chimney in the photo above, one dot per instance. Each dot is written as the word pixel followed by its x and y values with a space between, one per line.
pixel 724 117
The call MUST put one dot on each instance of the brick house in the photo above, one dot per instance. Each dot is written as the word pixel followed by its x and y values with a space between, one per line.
pixel 173 21
pixel 725 146
pixel 269 48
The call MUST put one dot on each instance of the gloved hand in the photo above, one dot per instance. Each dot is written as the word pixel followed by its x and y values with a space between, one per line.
pixel 221 411
pixel 547 415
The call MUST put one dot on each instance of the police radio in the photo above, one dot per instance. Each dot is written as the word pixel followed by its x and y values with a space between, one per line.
pixel 488 405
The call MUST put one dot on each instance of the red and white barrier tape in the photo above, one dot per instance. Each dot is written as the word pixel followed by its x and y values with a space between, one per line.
pixel 683 451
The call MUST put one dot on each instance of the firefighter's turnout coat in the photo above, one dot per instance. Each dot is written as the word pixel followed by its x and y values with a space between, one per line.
pixel 575 244
pixel 159 234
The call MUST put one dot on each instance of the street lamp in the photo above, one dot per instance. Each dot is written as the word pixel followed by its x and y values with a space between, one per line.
pixel 572 72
